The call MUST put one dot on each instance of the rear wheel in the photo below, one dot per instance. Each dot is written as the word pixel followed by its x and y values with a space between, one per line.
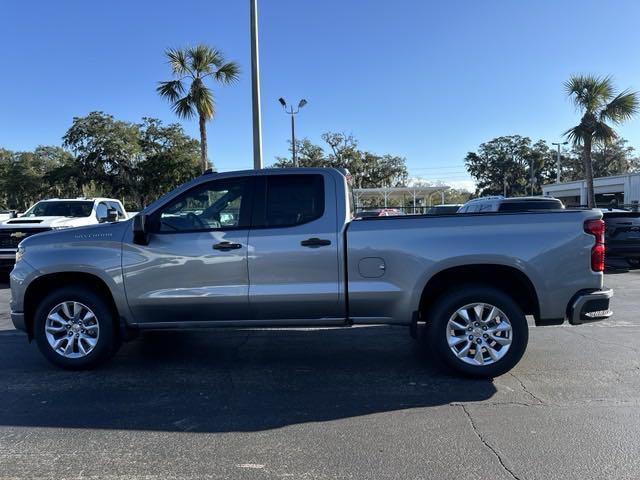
pixel 74 328
pixel 477 331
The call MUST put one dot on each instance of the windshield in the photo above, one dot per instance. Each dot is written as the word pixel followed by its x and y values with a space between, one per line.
pixel 60 209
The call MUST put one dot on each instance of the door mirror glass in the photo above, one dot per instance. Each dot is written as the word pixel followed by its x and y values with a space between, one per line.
pixel 102 213
pixel 141 230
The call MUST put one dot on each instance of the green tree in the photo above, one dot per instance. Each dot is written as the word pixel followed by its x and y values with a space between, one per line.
pixel 456 195
pixel 599 103
pixel 369 170
pixel 106 151
pixel 188 93
pixel 613 158
pixel 169 158
pixel 20 179
pixel 59 171
pixel 508 165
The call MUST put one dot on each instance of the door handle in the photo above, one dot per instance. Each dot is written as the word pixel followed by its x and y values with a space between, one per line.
pixel 224 246
pixel 315 242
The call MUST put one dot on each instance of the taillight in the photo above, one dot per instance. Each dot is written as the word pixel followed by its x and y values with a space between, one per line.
pixel 596 228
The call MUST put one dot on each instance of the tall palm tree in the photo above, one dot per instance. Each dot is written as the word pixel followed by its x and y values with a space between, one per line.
pixel 188 93
pixel 599 103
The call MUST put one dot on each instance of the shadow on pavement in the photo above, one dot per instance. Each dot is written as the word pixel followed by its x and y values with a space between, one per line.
pixel 223 381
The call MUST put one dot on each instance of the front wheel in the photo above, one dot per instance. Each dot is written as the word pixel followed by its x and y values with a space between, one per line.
pixel 477 331
pixel 74 328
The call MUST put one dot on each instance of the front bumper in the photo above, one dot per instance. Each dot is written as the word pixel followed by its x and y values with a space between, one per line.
pixel 7 259
pixel 18 321
pixel 590 307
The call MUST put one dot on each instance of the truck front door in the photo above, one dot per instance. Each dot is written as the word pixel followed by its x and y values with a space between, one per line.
pixel 195 265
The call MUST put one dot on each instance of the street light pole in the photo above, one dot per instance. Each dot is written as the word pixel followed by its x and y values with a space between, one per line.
pixel 293 140
pixel 559 144
pixel 293 114
pixel 255 88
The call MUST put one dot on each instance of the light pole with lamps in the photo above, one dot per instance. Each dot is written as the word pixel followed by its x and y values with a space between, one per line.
pixel 293 114
pixel 559 144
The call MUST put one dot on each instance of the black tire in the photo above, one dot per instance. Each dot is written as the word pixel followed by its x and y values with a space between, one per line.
pixel 107 342
pixel 446 306
pixel 634 262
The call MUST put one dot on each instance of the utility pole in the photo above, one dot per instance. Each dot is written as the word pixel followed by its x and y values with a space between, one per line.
pixel 531 176
pixel 255 88
pixel 559 144
pixel 293 114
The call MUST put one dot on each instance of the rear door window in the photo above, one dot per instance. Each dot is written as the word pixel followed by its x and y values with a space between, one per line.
pixel 487 207
pixel 292 200
pixel 473 208
pixel 525 206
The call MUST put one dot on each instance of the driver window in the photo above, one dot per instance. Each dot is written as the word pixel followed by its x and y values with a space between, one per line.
pixel 213 206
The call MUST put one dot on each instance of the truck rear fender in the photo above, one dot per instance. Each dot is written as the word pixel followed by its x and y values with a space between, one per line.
pixel 506 278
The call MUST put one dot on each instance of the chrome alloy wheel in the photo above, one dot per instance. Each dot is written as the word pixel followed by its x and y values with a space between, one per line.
pixel 479 334
pixel 72 329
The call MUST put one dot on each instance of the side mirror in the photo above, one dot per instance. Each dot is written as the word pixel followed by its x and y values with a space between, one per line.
pixel 13 214
pixel 112 215
pixel 101 213
pixel 141 230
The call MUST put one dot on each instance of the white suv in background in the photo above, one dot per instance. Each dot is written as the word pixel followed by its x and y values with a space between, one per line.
pixel 499 203
pixel 55 214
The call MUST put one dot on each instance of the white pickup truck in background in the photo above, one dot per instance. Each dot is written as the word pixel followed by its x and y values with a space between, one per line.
pixel 54 214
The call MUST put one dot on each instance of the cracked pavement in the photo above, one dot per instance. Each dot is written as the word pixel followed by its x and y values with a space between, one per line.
pixel 343 403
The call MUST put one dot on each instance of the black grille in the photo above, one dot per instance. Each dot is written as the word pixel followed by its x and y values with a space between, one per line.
pixel 11 237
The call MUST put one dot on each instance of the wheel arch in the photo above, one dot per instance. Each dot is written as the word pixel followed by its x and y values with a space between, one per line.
pixel 509 279
pixel 47 283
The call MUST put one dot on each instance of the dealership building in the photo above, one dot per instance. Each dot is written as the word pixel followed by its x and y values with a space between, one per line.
pixel 620 189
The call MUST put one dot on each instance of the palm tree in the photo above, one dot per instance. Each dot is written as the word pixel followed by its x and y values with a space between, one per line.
pixel 596 98
pixel 188 93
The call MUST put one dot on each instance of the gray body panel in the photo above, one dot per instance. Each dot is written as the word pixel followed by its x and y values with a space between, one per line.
pixel 550 248
pixel 374 270
pixel 180 277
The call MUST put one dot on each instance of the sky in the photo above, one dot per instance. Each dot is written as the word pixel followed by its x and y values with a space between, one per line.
pixel 425 80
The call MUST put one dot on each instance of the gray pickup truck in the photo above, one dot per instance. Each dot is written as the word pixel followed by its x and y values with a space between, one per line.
pixel 279 248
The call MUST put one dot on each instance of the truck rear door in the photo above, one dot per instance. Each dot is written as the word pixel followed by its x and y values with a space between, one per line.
pixel 293 261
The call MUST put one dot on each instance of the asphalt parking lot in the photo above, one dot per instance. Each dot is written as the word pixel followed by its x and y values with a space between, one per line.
pixel 344 403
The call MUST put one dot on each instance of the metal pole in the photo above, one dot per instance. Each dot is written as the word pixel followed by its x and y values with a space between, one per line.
pixel 531 176
pixel 293 139
pixel 558 166
pixel 255 88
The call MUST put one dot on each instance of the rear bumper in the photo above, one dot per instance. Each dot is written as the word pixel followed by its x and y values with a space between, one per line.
pixel 590 307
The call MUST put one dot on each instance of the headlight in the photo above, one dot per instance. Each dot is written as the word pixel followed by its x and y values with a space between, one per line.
pixel 19 254
pixel 61 227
